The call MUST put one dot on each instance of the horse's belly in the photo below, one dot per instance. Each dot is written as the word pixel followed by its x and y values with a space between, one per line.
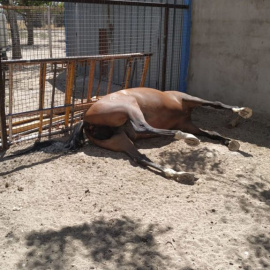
pixel 160 123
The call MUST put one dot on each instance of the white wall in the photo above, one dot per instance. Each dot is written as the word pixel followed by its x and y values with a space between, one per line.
pixel 230 52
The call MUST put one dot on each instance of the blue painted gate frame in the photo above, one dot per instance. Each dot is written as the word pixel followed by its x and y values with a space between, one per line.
pixel 186 29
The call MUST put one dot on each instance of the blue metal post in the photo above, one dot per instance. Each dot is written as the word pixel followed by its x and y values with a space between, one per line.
pixel 186 29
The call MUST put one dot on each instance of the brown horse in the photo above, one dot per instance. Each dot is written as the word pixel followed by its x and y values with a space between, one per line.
pixel 117 119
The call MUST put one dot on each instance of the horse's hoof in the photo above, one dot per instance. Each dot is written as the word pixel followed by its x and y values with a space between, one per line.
pixel 192 140
pixel 182 177
pixel 244 112
pixel 234 145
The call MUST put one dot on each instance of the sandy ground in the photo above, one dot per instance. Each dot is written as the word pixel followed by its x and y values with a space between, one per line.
pixel 96 209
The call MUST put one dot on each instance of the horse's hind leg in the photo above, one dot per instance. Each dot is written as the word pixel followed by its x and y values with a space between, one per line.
pixel 244 112
pixel 121 143
pixel 231 144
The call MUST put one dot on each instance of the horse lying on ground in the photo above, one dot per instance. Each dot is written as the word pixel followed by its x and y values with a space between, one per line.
pixel 117 119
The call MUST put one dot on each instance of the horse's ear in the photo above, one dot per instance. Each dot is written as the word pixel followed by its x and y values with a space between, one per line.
pixel 76 139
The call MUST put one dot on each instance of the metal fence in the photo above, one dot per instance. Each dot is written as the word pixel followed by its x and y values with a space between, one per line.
pixel 53 59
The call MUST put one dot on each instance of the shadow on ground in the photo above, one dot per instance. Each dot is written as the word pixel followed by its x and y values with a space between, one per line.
pixel 115 244
pixel 255 130
pixel 257 255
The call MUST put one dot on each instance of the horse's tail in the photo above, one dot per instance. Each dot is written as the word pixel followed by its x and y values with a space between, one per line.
pixel 76 139
pixel 74 142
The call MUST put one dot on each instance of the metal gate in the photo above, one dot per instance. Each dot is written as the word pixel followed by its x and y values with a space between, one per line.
pixel 78 46
pixel 162 28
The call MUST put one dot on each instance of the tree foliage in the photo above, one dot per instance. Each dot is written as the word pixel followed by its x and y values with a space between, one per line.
pixel 29 3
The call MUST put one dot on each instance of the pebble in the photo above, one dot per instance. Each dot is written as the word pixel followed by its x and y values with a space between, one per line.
pixel 209 155
pixel 20 188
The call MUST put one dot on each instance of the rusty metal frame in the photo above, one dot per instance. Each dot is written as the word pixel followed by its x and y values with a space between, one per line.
pixel 45 118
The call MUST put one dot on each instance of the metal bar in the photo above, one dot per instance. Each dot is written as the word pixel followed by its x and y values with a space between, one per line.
pixel 110 77
pixel 56 110
pixel 42 80
pixel 165 44
pixel 172 47
pixel 45 134
pixel 28 129
pixel 3 127
pixel 50 31
pixel 128 73
pixel 10 105
pixel 84 76
pixel 134 72
pixel 79 58
pixel 53 96
pixel 25 121
pixel 34 125
pixel 99 79
pixel 125 74
pixel 91 79
pixel 145 69
pixel 73 97
pixel 69 87
pixel 46 110
pixel 128 3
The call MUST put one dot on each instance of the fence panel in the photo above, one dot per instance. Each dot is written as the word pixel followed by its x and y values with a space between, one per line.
pixel 53 68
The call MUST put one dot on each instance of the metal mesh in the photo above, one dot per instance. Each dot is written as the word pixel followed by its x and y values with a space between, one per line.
pixel 41 32
pixel 66 34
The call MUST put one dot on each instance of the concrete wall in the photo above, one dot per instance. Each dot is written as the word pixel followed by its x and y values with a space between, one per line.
pixel 230 52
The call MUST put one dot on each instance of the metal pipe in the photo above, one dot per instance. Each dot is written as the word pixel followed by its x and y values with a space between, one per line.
pixel 3 126
pixel 76 58
pixel 165 48
pixel 127 3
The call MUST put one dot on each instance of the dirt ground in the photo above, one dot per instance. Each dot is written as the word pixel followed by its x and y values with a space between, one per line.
pixel 96 209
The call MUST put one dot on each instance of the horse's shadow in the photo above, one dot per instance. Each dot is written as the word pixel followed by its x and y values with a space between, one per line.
pixel 255 130
pixel 195 161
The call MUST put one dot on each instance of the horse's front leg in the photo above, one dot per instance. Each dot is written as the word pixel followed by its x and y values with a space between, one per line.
pixel 120 142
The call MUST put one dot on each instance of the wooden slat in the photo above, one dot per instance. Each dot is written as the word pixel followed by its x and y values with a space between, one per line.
pixel 110 77
pixel 128 73
pixel 42 80
pixel 69 88
pixel 145 69
pixel 91 79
